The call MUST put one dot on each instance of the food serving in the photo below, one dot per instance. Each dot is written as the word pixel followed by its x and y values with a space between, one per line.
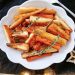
pixel 37 32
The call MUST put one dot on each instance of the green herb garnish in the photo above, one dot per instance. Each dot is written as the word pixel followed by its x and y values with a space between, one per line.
pixel 43 51
pixel 53 43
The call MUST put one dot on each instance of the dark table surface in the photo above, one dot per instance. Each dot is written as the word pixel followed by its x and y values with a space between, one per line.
pixel 6 66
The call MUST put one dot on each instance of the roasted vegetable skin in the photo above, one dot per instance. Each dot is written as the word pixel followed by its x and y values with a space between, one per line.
pixel 19 46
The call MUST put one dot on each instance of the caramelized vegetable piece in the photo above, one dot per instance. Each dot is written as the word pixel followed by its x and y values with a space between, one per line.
pixel 29 14
pixel 48 42
pixel 32 28
pixel 23 10
pixel 50 36
pixel 26 23
pixel 38 57
pixel 16 23
pixel 43 40
pixel 23 34
pixel 49 11
pixel 34 52
pixel 60 25
pixel 8 34
pixel 38 46
pixel 67 31
pixel 19 46
pixel 63 23
pixel 56 30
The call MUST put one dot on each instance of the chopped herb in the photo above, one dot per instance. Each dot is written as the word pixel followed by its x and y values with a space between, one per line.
pixel 43 51
pixel 33 53
pixel 53 43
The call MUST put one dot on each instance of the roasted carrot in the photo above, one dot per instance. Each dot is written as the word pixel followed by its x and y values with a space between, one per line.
pixel 38 56
pixel 63 23
pixel 33 27
pixel 47 42
pixel 67 31
pixel 40 24
pixel 18 28
pixel 57 46
pixel 26 23
pixel 50 36
pixel 8 33
pixel 37 46
pixel 49 11
pixel 16 23
pixel 43 40
pixel 56 30
pixel 29 14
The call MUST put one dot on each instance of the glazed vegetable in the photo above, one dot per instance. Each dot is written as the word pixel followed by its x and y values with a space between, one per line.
pixel 29 14
pixel 49 11
pixel 64 25
pixel 50 36
pixel 55 29
pixel 48 49
pixel 8 34
pixel 38 57
pixel 23 10
pixel 34 52
pixel 20 46
pixel 16 23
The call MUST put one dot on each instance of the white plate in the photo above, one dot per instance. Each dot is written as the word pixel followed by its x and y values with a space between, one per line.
pixel 15 56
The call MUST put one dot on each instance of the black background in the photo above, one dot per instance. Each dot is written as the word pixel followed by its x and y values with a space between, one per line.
pixel 6 66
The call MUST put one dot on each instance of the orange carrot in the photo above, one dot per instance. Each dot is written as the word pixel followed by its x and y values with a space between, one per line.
pixel 43 40
pixel 47 42
pixel 49 11
pixel 38 56
pixel 67 31
pixel 16 23
pixel 32 41
pixel 56 30
pixel 37 46
pixel 8 33
pixel 32 27
pixel 26 23
pixel 57 46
